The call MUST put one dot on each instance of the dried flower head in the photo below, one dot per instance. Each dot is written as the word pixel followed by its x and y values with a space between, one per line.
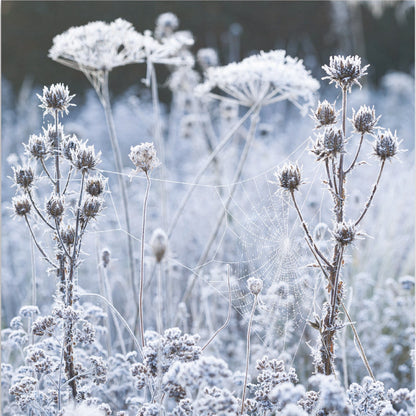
pixel 68 235
pixel 344 233
pixel 55 99
pixel 84 158
pixel 328 144
pixel 166 24
pixel 207 57
pixel 364 120
pixel 264 78
pixel 23 177
pixel 144 157
pixel 325 114
pixel 21 205
pixel 70 145
pixel 254 285
pixel 386 145
pixel 37 147
pixel 289 177
pixel 95 185
pixel 55 206
pixel 92 206
pixel 344 71
pixel 50 134
pixel 159 243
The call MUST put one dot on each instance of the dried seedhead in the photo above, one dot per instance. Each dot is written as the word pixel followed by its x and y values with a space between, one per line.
pixel 55 206
pixel 37 147
pixel 325 114
pixel 364 120
pixel 289 177
pixel 56 98
pixel 254 285
pixel 344 233
pixel 91 208
pixel 328 144
pixel 144 157
pixel 21 205
pixel 23 177
pixel 386 145
pixel 159 244
pixel 84 158
pixel 95 185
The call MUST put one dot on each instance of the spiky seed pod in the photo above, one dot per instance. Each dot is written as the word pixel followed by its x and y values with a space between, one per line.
pixel 55 206
pixel 23 177
pixel 21 205
pixel 289 177
pixel 386 145
pixel 84 158
pixel 92 206
pixel 344 233
pixel 328 144
pixel 50 134
pixel 68 235
pixel 55 98
pixel 105 257
pixel 70 145
pixel 144 157
pixel 95 186
pixel 345 71
pixel 159 244
pixel 364 120
pixel 325 114
pixel 254 285
pixel 37 147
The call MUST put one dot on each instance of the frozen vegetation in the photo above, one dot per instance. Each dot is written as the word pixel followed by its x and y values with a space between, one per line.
pixel 245 249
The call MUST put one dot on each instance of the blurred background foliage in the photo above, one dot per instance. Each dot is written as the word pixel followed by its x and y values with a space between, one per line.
pixel 382 32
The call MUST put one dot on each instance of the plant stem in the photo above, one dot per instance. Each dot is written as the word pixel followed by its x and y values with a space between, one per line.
pixel 248 352
pixel 356 156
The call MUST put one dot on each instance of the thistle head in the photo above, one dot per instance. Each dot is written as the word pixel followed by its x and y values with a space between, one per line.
pixel 23 177
pixel 325 114
pixel 55 206
pixel 344 233
pixel 21 205
pixel 289 177
pixel 364 120
pixel 55 99
pixel 84 158
pixel 70 145
pixel 329 144
pixel 68 235
pixel 91 208
pixel 95 185
pixel 254 285
pixel 386 145
pixel 37 147
pixel 144 157
pixel 344 71
pixel 50 134
pixel 159 244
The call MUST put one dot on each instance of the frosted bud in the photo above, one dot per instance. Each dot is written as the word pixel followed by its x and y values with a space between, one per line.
pixel 23 176
pixel 92 206
pixel 37 147
pixel 21 205
pixel 159 243
pixel 56 98
pixel 325 114
pixel 68 235
pixel 254 285
pixel 386 145
pixel 289 177
pixel 344 233
pixel 95 186
pixel 364 120
pixel 55 206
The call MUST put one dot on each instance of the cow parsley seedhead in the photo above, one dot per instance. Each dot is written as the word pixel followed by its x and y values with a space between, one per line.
pixel 254 285
pixel 344 233
pixel 325 114
pixel 289 177
pixel 98 46
pixel 144 157
pixel 23 177
pixel 56 98
pixel 386 145
pixel 344 71
pixel 21 205
pixel 364 120
pixel 262 79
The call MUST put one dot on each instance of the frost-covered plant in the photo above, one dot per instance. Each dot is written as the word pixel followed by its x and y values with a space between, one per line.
pixel 330 150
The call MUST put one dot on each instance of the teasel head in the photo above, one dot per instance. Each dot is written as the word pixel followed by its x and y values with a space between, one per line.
pixel 55 206
pixel 255 285
pixel 386 145
pixel 23 177
pixel 344 233
pixel 364 120
pixel 37 147
pixel 56 98
pixel 289 177
pixel 159 244
pixel 144 157
pixel 68 235
pixel 344 71
pixel 325 114
pixel 91 207
pixel 70 145
pixel 21 205
pixel 95 185
pixel 84 158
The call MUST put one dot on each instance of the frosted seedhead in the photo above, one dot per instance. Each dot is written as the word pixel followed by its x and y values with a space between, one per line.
pixel 289 177
pixel 84 158
pixel 23 177
pixel 364 120
pixel 386 145
pixel 37 147
pixel 254 285
pixel 159 244
pixel 92 206
pixel 95 185
pixel 56 98
pixel 325 114
pixel 144 157
pixel 21 205
pixel 344 233
pixel 55 206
